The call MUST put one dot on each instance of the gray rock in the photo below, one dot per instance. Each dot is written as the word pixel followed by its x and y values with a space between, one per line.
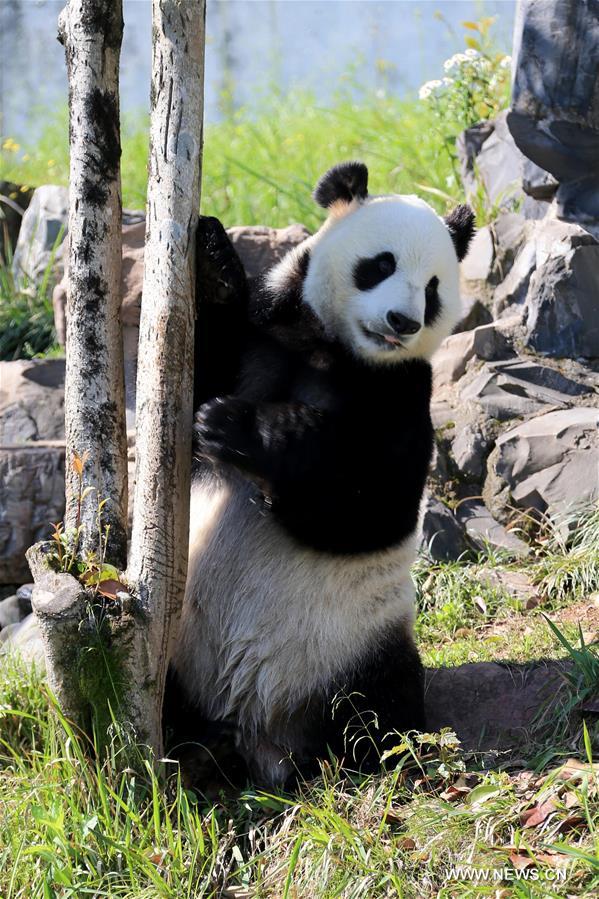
pixel 555 102
pixel 25 640
pixel 475 313
pixel 550 463
pixel 509 234
pixel 31 497
pixel 492 705
pixel 442 537
pixel 10 611
pixel 486 342
pixel 472 444
pixel 562 300
pixel 483 530
pixel 538 183
pixel 514 287
pixel 31 400
pixel 260 247
pixel 514 388
pixel 542 378
pixel 495 159
pixel 41 237
pixel 24 594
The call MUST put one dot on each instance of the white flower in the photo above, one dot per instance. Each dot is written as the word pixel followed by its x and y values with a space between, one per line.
pixel 447 82
pixel 427 89
pixel 506 62
pixel 455 60
pixel 471 53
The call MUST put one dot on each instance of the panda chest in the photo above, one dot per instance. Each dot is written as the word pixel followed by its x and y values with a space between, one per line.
pixel 314 382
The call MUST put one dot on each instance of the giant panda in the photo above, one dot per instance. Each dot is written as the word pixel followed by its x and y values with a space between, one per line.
pixel 313 440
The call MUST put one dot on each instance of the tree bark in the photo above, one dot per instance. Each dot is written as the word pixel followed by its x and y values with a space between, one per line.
pixel 159 547
pixel 91 31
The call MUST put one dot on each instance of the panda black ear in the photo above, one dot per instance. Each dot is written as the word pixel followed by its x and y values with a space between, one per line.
pixel 461 226
pixel 345 182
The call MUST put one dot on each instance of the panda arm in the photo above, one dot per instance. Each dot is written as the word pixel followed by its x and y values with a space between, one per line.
pixel 345 480
pixel 221 312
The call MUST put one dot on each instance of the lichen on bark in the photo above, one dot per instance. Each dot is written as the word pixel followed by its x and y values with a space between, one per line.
pixel 91 31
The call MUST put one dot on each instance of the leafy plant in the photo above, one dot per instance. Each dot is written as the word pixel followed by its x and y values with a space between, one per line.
pixel 90 567
pixel 476 83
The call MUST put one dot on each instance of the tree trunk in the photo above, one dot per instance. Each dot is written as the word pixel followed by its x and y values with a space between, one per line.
pixel 158 564
pixel 91 31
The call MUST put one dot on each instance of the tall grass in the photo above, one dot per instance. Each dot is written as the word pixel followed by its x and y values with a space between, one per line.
pixel 262 168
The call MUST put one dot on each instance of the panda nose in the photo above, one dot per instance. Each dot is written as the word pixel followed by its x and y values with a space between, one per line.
pixel 401 324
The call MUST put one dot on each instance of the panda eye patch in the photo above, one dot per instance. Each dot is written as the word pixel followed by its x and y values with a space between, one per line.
pixel 370 272
pixel 432 306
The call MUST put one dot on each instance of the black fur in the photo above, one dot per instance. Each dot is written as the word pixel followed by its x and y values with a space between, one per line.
pixel 432 301
pixel 341 449
pixel 461 225
pixel 370 272
pixel 383 693
pixel 345 182
pixel 221 309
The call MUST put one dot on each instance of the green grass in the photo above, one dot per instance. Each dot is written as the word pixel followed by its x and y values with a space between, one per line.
pixel 71 827
pixel 26 317
pixel 262 169
pixel 256 170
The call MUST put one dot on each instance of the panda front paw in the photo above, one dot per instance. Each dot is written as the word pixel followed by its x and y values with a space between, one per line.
pixel 220 274
pixel 223 431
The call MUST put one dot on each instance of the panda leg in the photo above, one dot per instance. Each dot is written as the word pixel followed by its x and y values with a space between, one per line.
pixel 382 695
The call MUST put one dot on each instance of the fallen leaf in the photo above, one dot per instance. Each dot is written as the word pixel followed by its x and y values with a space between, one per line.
pixel 453 793
pixel 576 771
pixel 535 816
pixel 571 800
pixel 532 602
pixel 110 588
pixel 407 843
pixel 392 817
pixel 520 861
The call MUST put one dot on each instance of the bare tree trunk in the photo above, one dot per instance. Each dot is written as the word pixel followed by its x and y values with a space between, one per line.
pixel 91 31
pixel 158 564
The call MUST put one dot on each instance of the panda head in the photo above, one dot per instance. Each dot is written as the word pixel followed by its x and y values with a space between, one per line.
pixel 381 275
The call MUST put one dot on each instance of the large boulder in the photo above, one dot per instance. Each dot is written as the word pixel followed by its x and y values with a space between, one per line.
pixel 548 464
pixel 555 102
pixel 487 152
pixel 40 245
pixel 31 400
pixel 562 301
pixel 31 497
pixel 260 248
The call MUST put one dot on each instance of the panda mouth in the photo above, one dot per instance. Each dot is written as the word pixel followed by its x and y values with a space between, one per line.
pixel 388 341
